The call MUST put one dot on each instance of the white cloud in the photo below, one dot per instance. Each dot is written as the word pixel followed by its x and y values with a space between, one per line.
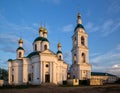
pixel 9 43
pixel 14 32
pixel 68 28
pixel 115 69
pixel 92 27
pixel 108 62
pixel 10 27
pixel 36 24
pixel 105 28
pixel 116 66
pixel 114 7
pixel 51 1
pixel 110 26
pixel 94 54
pixel 118 47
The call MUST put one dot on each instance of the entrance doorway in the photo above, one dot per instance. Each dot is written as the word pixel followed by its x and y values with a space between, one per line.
pixel 47 78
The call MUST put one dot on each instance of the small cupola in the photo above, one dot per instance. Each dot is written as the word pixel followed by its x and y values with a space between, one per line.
pixel 45 33
pixel 20 50
pixel 59 52
pixel 79 23
pixel 41 31
pixel 79 20
pixel 20 42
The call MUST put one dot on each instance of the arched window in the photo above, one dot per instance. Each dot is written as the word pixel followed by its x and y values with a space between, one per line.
pixel 60 57
pixel 45 47
pixel 83 57
pixel 20 54
pixel 82 40
pixel 74 58
pixel 35 47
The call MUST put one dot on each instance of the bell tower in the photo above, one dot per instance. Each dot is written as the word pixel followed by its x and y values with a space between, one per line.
pixel 80 68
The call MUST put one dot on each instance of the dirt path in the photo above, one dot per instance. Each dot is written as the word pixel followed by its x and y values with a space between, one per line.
pixel 80 89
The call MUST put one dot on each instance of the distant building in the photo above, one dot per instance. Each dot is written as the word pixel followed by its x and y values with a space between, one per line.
pixel 40 66
pixel 105 77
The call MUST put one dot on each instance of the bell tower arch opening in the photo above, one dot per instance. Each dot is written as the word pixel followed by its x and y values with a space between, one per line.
pixel 45 47
pixel 82 40
pixel 83 57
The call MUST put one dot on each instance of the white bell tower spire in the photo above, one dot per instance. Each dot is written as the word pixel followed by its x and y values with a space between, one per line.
pixel 20 50
pixel 80 68
pixel 79 20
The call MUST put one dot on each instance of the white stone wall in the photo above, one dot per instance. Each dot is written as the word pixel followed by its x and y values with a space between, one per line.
pixel 36 73
pixel 45 43
pixel 15 68
pixel 39 46
pixel 26 63
pixel 37 65
pixel 22 54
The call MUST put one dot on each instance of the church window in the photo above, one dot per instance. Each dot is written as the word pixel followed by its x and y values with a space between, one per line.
pixel 12 78
pixel 20 54
pixel 83 57
pixel 47 65
pixel 82 40
pixel 45 47
pixel 60 57
pixel 35 47
pixel 74 58
pixel 12 69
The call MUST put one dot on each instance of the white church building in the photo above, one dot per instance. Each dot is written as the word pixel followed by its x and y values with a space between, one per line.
pixel 44 66
pixel 40 66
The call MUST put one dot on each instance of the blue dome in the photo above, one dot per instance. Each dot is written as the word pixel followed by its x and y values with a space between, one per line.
pixel 41 39
pixel 20 48
pixel 38 39
pixel 9 59
pixel 59 52
pixel 45 39
pixel 79 26
pixel 33 53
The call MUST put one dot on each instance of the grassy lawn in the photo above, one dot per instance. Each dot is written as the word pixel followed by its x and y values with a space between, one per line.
pixel 63 89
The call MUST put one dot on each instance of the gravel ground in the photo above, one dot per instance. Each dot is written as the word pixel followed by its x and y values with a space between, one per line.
pixel 60 89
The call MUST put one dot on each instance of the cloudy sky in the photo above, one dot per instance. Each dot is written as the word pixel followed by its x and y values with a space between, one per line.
pixel 101 19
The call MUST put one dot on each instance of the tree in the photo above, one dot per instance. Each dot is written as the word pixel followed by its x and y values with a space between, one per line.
pixel 3 74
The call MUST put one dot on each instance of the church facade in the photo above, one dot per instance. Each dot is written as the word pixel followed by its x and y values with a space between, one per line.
pixel 40 66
